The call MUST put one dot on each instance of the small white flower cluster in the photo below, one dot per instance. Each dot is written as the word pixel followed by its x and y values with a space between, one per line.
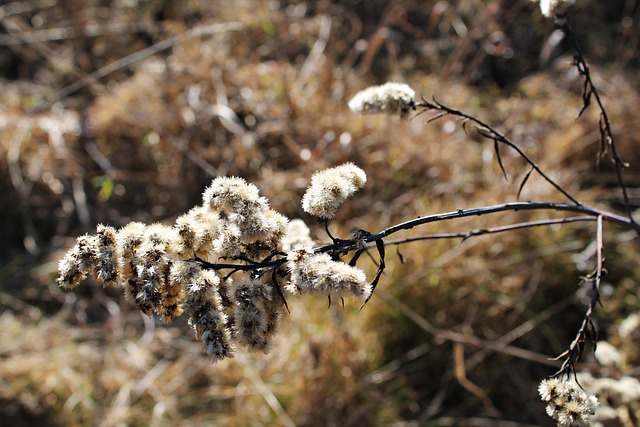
pixel 567 403
pixel 389 98
pixel 170 270
pixel 330 188
pixel 549 7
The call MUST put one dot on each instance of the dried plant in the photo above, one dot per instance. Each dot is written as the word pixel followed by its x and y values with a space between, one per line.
pixel 231 264
pixel 567 403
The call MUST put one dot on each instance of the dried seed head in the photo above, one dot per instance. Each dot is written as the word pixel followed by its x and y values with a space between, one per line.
pixel 157 268
pixel 106 267
pixel 93 255
pixel 227 242
pixel 389 98
pixel 297 236
pixel 128 239
pixel 257 314
pixel 232 194
pixel 567 403
pixel 181 273
pixel 207 316
pixel 78 262
pixel 317 272
pixel 196 231
pixel 269 227
pixel 330 188
pixel 151 264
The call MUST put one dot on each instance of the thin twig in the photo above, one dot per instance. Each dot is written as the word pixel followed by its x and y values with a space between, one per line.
pixel 587 328
pixel 515 206
pixel 491 230
pixel 347 245
pixel 489 132
pixel 590 89
pixel 65 33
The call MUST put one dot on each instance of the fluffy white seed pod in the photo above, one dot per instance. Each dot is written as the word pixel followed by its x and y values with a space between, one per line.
pixel 78 262
pixel 152 263
pixel 206 314
pixel 232 194
pixel 128 239
pixel 227 243
pixel 318 273
pixel 568 404
pixel 181 274
pixel 196 231
pixel 329 189
pixel 267 226
pixel 297 235
pixel 184 273
pixel 93 255
pixel 257 314
pixel 389 98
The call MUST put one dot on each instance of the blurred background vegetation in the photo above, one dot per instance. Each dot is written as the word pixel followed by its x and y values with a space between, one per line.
pixel 123 110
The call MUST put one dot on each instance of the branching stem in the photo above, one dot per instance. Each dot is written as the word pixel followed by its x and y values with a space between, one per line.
pixel 347 245
pixel 515 206
pixel 606 135
pixel 587 328
pixel 489 132
pixel 492 230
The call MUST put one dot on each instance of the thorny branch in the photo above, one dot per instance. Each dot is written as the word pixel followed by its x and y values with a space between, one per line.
pixel 587 328
pixel 607 146
pixel 340 247
pixel 492 230
pixel 487 131
pixel 589 89
pixel 343 246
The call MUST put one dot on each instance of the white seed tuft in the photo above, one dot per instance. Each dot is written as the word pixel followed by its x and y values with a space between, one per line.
pixel 389 98
pixel 318 273
pixel 330 188
pixel 567 403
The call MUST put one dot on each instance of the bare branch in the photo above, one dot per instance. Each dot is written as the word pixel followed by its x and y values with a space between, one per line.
pixel 587 328
pixel 524 181
pixel 516 206
pixel 489 132
pixel 492 230
pixel 589 89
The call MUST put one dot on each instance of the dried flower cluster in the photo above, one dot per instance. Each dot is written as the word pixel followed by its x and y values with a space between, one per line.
pixel 317 272
pixel 171 270
pixel 567 403
pixel 330 188
pixel 390 98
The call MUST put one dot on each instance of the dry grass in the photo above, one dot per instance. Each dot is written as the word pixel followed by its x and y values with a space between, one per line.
pixel 266 99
